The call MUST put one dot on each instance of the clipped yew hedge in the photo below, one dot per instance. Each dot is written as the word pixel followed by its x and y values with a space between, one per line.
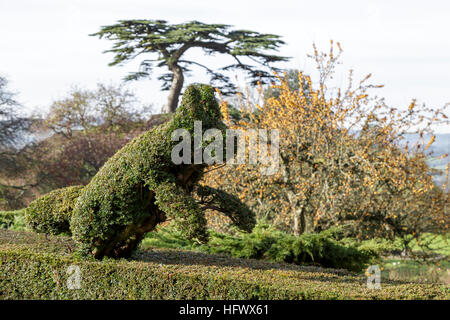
pixel 52 212
pixel 141 186
pixel 34 266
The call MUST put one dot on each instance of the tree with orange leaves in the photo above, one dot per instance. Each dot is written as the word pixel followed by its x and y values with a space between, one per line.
pixel 343 160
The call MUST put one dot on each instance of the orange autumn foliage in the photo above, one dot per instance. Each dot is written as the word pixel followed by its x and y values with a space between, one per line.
pixel 343 160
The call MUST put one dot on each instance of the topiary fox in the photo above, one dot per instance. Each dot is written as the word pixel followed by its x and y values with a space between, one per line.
pixel 140 187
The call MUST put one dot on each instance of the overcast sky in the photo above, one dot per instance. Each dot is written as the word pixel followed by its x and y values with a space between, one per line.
pixel 45 47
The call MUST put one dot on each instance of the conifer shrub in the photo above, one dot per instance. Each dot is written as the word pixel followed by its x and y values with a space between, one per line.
pixel 266 243
pixel 12 219
pixel 6 219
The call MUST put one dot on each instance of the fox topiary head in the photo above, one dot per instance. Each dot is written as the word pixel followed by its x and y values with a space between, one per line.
pixel 199 104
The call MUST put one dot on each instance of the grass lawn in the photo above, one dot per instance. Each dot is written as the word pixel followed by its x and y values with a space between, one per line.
pixel 415 271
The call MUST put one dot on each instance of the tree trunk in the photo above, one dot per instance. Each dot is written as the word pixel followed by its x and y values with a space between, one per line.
pixel 296 223
pixel 175 88
pixel 298 213
pixel 299 222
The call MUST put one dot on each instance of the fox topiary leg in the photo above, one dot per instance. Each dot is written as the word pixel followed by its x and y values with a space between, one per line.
pixel 230 205
pixel 180 206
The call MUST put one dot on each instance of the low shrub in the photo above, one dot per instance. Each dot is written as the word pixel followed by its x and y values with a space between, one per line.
pixel 379 245
pixel 267 243
pixel 13 220
pixel 6 219
pixel 52 212
pixel 34 266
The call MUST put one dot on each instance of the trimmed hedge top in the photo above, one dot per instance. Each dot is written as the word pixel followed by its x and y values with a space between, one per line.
pixel 33 266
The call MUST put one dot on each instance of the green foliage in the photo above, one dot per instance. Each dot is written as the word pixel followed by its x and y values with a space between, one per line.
pixel 269 244
pixel 13 220
pixel 52 212
pixel 140 186
pixel 6 219
pixel 36 267
pixel 382 246
pixel 437 244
